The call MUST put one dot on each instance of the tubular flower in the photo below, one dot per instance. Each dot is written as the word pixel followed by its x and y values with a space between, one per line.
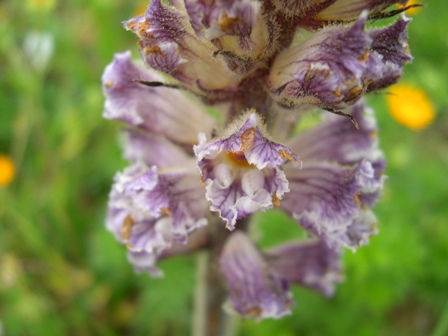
pixel 242 171
pixel 193 180
pixel 256 290
pixel 338 184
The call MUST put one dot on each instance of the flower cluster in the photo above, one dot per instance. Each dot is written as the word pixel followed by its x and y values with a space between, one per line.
pixel 194 180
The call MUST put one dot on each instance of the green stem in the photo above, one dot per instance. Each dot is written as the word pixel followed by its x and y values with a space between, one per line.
pixel 229 325
pixel 442 325
pixel 200 297
pixel 209 318
pixel 282 122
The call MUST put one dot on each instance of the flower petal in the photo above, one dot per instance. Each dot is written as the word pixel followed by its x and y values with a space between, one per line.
pixel 213 20
pixel 342 177
pixel 153 150
pixel 325 70
pixel 242 170
pixel 358 233
pixel 349 10
pixel 312 264
pixel 151 210
pixel 145 262
pixel 324 197
pixel 159 110
pixel 303 8
pixel 337 140
pixel 168 43
pixel 256 291
pixel 234 27
pixel 390 49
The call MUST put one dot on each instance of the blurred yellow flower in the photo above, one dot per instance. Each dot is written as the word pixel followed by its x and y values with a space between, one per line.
pixel 141 9
pixel 7 170
pixel 410 106
pixel 414 10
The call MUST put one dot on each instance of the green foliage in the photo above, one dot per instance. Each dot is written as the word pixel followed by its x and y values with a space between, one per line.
pixel 62 273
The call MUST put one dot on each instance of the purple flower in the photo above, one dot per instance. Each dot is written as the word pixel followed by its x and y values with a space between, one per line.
pixel 256 66
pixel 169 43
pixel 390 52
pixel 242 170
pixel 150 211
pixel 312 264
pixel 334 67
pixel 314 14
pixel 161 111
pixel 259 282
pixel 337 184
pixel 256 290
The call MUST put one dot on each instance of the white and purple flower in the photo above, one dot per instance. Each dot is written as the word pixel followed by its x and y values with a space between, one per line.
pixel 242 170
pixel 261 64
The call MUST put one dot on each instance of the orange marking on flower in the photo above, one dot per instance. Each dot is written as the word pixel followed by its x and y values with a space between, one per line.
pixel 275 200
pixel 406 49
pixel 155 49
pixel 337 92
pixel 238 159
pixel 285 155
pixel 126 228
pixel 166 211
pixel 109 84
pixel 363 57
pixel 201 180
pixel 132 25
pixel 143 26
pixel 247 139
pixel 349 81
pixel 225 22
pixel 253 312
pixel 313 73
pixel 354 92
pixel 356 198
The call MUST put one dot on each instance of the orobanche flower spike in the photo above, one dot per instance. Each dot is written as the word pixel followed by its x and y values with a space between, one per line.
pixel 194 180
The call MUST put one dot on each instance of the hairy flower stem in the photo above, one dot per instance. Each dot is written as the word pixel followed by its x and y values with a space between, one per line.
pixel 200 297
pixel 209 317
pixel 252 95
pixel 216 295
pixel 281 123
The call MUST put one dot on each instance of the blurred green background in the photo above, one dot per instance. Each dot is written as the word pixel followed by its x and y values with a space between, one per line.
pixel 62 273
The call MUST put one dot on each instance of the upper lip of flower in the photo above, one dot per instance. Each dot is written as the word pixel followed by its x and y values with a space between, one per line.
pixel 252 182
